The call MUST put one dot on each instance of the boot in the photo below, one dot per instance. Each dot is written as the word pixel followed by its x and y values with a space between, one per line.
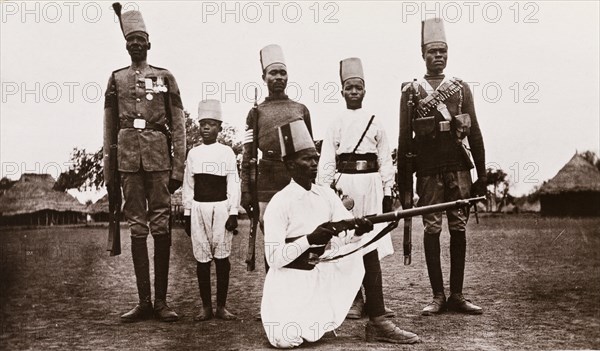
pixel 458 249
pixel 203 273
pixel 458 303
pixel 141 266
pixel 162 252
pixel 382 329
pixel 431 244
pixel 358 307
pixel 223 268
pixel 437 305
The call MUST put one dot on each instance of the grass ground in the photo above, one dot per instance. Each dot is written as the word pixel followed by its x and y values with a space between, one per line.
pixel 538 280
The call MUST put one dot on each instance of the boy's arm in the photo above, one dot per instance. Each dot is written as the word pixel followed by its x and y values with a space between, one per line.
pixel 233 184
pixel 187 194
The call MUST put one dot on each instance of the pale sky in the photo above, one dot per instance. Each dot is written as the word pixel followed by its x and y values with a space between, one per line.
pixel 533 68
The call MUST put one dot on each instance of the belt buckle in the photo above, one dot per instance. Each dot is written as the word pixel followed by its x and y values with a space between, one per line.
pixel 444 126
pixel 361 165
pixel 139 123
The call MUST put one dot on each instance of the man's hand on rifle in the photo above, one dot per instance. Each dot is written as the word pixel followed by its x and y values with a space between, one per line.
pixel 362 226
pixel 387 204
pixel 232 224
pixel 321 235
pixel 479 188
pixel 174 184
pixel 246 202
pixel 187 225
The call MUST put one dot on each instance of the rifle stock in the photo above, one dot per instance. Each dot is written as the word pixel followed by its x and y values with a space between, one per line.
pixel 254 210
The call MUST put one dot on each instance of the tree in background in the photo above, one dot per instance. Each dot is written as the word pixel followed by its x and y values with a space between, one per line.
pixel 86 171
pixel 592 158
pixel 501 185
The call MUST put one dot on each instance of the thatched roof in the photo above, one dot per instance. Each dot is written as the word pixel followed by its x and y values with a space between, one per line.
pixel 33 193
pixel 100 206
pixel 576 176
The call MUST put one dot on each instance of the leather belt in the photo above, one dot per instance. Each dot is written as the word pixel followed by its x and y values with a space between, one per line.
pixel 306 261
pixel 357 163
pixel 142 124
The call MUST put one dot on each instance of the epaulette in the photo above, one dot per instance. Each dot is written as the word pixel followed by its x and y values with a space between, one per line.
pixel 120 69
pixel 457 79
pixel 406 86
pixel 158 68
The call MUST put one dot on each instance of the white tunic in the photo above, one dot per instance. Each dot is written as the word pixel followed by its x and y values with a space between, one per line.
pixel 367 189
pixel 298 304
pixel 209 237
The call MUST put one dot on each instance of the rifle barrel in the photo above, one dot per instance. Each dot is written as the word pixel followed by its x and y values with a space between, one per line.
pixel 417 211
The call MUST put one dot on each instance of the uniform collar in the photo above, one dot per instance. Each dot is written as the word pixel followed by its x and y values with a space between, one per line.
pixel 139 67
pixel 273 98
pixel 297 188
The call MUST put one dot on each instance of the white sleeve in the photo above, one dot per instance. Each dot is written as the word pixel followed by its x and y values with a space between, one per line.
pixel 386 165
pixel 326 170
pixel 187 194
pixel 233 183
pixel 277 251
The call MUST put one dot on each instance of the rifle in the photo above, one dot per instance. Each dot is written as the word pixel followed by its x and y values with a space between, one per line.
pixel 407 193
pixel 167 132
pixel 253 210
pixel 114 191
pixel 349 224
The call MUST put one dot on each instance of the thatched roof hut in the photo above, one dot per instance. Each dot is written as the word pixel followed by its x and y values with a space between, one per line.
pixel 574 191
pixel 32 200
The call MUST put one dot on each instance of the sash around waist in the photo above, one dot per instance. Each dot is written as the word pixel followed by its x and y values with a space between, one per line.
pixel 209 187
pixel 302 262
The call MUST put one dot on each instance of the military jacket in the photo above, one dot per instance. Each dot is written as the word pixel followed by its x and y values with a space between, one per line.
pixel 272 114
pixel 140 97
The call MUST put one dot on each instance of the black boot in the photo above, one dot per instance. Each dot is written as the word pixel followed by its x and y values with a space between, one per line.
pixel 141 266
pixel 162 253
pixel 223 268
pixel 203 273
pixel 458 249
pixel 431 243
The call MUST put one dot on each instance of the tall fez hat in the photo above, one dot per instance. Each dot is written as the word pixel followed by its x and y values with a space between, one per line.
pixel 432 30
pixel 210 109
pixel 294 137
pixel 271 54
pixel 131 21
pixel 351 68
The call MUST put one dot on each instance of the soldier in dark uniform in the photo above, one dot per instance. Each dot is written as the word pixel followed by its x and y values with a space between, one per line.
pixel 151 156
pixel 275 111
pixel 444 121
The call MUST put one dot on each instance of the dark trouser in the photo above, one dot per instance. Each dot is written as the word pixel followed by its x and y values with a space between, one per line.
pixel 147 202
pixel 373 285
pixel 449 186
pixel 146 208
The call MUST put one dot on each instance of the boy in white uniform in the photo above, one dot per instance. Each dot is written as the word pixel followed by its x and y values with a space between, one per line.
pixel 211 196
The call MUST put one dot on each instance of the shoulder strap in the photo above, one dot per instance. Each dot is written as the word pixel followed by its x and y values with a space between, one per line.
pixel 364 133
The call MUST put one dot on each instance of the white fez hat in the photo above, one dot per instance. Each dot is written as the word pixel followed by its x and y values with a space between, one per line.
pixel 271 54
pixel 294 137
pixel 210 109
pixel 351 68
pixel 432 30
